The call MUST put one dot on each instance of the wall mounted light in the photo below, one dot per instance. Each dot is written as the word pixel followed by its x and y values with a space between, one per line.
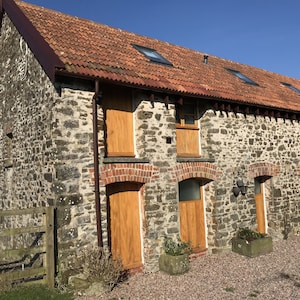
pixel 239 188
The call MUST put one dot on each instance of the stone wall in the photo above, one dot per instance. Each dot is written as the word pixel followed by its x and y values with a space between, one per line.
pixel 154 124
pixel 73 190
pixel 27 98
pixel 240 145
pixel 48 131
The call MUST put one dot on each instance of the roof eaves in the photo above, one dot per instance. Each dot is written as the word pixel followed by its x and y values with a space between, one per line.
pixel 40 48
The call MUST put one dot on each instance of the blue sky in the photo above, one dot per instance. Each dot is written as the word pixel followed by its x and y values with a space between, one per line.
pixel 261 33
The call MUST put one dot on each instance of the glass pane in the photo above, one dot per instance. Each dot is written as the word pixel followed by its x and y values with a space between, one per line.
pixel 189 119
pixel 151 53
pixel 189 109
pixel 189 190
pixel 257 186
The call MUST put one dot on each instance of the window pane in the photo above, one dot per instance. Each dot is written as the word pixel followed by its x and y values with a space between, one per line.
pixel 189 109
pixel 189 119
pixel 189 190
pixel 189 114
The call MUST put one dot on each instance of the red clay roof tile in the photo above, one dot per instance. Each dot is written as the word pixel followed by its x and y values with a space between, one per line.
pixel 95 50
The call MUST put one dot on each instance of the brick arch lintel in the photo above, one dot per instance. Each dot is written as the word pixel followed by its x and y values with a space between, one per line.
pixel 263 169
pixel 204 170
pixel 121 172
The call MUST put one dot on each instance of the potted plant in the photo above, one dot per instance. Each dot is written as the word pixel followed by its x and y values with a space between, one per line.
pixel 175 259
pixel 251 243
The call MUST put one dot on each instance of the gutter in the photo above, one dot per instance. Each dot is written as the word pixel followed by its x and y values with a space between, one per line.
pixel 96 164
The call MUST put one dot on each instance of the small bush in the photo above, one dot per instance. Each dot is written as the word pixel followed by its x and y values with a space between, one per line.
pixel 177 247
pixel 249 235
pixel 98 266
pixel 34 292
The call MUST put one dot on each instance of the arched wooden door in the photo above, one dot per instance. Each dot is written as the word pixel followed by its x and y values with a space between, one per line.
pixel 260 206
pixel 124 223
pixel 192 214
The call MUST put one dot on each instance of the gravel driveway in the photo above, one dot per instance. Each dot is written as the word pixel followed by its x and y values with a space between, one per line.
pixel 222 276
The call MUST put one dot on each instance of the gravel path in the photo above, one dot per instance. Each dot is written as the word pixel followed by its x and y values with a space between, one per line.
pixel 222 276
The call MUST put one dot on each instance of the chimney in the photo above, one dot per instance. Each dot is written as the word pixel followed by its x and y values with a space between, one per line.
pixel 205 59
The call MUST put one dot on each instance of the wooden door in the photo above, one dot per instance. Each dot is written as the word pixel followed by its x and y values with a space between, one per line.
pixel 187 141
pixel 125 230
pixel 192 222
pixel 260 207
pixel 119 122
pixel 260 213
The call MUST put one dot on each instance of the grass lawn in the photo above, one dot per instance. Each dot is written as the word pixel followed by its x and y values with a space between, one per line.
pixel 34 292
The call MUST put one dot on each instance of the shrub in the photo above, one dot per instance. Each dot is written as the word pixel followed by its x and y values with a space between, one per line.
pixel 249 235
pixel 177 247
pixel 98 265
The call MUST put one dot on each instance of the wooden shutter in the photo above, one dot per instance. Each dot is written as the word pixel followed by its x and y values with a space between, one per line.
pixel 187 130
pixel 119 122
pixel 187 142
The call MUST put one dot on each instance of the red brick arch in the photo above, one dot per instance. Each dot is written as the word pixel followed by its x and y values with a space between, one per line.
pixel 263 169
pixel 120 172
pixel 197 170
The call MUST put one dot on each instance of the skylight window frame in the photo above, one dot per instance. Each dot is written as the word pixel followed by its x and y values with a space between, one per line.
pixel 152 55
pixel 242 77
pixel 291 87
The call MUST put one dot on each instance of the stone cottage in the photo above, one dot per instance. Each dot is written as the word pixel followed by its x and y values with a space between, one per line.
pixel 132 139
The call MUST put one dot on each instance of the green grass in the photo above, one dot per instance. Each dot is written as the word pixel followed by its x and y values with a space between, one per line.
pixel 34 292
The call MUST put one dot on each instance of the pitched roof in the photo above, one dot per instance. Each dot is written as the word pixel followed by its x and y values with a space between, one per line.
pixel 85 48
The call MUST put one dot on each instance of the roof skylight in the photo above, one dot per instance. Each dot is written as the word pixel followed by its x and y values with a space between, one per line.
pixel 152 54
pixel 242 76
pixel 290 86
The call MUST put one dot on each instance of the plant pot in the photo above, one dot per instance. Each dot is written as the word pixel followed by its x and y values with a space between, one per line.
pixel 252 248
pixel 174 265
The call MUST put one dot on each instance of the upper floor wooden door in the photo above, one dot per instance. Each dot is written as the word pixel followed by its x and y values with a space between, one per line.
pixel 118 107
pixel 187 130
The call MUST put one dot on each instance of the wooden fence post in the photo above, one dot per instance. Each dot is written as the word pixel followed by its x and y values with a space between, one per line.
pixel 50 258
